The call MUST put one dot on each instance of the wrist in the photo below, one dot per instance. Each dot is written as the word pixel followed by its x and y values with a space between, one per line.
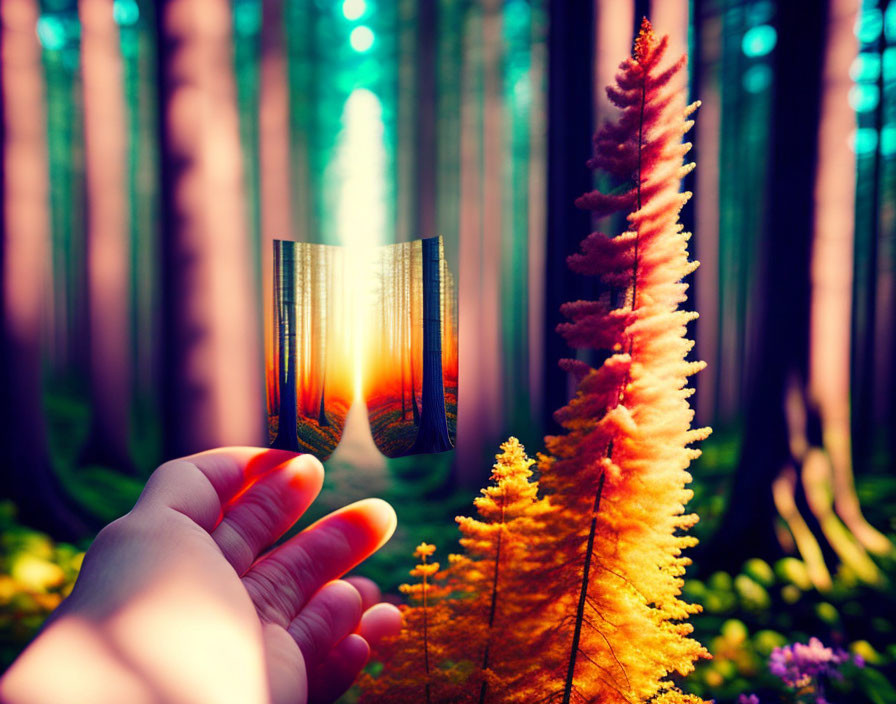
pixel 71 661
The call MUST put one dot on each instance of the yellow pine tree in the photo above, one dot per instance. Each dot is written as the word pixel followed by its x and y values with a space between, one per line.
pixel 414 669
pixel 617 478
pixel 495 570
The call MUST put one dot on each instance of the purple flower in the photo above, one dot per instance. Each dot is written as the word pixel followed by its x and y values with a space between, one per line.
pixel 748 699
pixel 799 664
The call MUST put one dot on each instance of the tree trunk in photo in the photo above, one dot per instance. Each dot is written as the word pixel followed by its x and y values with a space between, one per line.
pixel 432 436
pixel 25 255
pixel 326 295
pixel 108 245
pixel 285 310
pixel 212 390
pixel 403 328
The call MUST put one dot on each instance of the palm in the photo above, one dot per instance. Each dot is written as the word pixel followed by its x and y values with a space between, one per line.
pixel 191 553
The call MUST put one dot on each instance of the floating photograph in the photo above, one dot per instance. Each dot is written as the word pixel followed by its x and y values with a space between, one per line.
pixel 379 330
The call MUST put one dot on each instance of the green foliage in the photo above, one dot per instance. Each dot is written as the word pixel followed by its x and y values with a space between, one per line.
pixel 35 575
pixel 749 614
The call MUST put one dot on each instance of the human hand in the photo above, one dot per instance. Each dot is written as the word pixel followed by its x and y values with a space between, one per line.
pixel 178 602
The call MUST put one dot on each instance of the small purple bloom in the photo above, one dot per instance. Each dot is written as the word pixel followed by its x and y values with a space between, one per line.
pixel 799 664
pixel 748 699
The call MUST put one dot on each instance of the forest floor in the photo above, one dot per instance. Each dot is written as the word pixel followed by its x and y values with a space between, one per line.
pixel 314 438
pixel 393 434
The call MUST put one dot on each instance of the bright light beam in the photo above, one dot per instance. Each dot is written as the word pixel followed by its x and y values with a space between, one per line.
pixel 361 215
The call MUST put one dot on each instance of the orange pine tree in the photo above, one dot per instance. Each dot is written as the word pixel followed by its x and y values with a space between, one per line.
pixel 618 477
pixel 414 662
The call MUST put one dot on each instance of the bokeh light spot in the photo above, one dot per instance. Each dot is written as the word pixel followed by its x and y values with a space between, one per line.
pixel 247 17
pixel 361 39
pixel 761 12
pixel 759 41
pixel 864 141
pixel 864 97
pixel 888 140
pixel 865 67
pixel 51 32
pixel 757 78
pixel 125 12
pixel 869 25
pixel 353 9
pixel 889 63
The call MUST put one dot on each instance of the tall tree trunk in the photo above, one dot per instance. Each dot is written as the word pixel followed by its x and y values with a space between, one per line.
pixel 432 436
pixel 832 282
pixel 274 155
pixel 212 383
pixel 570 129
pixel 28 474
pixel 747 529
pixel 479 384
pixel 706 207
pixel 285 310
pixel 108 246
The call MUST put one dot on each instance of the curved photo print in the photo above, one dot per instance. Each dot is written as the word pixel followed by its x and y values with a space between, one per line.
pixel 310 381
pixel 411 388
pixel 377 328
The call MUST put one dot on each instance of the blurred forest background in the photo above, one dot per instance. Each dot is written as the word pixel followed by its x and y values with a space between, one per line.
pixel 152 152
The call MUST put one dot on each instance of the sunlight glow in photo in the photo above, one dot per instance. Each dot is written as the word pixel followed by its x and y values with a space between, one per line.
pixel 361 211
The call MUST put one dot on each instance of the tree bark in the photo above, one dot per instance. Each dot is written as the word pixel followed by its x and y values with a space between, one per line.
pixel 212 390
pixel 108 245
pixel 285 310
pixel 274 156
pixel 432 435
pixel 770 442
pixel 28 474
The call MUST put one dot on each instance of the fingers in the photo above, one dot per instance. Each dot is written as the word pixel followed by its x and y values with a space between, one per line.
pixel 336 674
pixel 255 519
pixel 282 582
pixel 378 622
pixel 329 616
pixel 368 589
pixel 200 485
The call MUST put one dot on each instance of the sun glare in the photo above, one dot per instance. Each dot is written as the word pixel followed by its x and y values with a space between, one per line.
pixel 361 212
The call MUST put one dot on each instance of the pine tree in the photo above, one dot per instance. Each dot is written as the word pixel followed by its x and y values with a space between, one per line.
pixel 495 571
pixel 618 477
pixel 413 671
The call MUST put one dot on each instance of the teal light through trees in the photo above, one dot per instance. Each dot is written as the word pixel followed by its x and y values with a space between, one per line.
pixel 125 12
pixel 246 17
pixel 869 25
pixel 865 67
pixel 864 141
pixel 888 141
pixel 361 39
pixel 353 9
pixel 51 32
pixel 759 41
pixel 889 63
pixel 864 97
pixel 757 78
